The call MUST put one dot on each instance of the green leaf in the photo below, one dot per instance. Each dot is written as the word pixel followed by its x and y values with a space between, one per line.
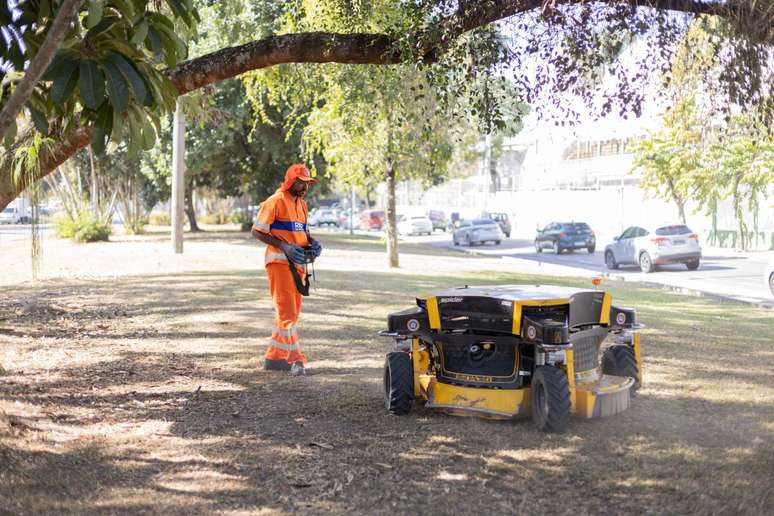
pixel 64 84
pixel 174 48
pixel 125 8
pixel 61 61
pixel 131 74
pixel 140 32
pixel 95 13
pixel 161 20
pixel 92 84
pixel 100 131
pixel 154 41
pixel 15 56
pixel 148 135
pixel 105 25
pixel 180 11
pixel 118 128
pixel 44 11
pixel 117 87
pixel 39 119
pixel 135 132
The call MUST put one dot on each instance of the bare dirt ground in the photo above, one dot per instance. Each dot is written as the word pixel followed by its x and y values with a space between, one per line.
pixel 131 382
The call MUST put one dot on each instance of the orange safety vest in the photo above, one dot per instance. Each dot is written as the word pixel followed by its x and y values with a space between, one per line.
pixel 283 216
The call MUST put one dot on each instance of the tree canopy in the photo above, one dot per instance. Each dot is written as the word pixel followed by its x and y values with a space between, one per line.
pixel 135 48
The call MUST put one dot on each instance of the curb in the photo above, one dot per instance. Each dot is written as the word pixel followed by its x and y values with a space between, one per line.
pixel 687 291
pixel 767 305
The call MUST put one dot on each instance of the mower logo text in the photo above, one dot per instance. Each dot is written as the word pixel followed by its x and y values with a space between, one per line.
pixel 450 300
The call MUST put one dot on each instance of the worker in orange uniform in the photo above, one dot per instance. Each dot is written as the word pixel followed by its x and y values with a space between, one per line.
pixel 281 225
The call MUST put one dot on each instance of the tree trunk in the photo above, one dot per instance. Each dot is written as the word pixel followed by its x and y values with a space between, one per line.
pixel 681 209
pixel 392 228
pixel 678 200
pixel 94 184
pixel 738 212
pixel 189 210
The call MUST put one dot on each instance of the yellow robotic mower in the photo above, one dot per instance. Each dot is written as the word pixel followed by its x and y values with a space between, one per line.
pixel 500 351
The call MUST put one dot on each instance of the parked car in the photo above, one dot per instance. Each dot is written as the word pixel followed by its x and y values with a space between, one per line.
pixel 414 225
pixel 769 274
pixel 565 236
pixel 438 218
pixel 504 222
pixel 372 219
pixel 477 231
pixel 8 216
pixel 654 246
pixel 323 216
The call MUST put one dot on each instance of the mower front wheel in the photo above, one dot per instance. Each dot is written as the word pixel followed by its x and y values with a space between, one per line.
pixel 398 383
pixel 620 361
pixel 550 399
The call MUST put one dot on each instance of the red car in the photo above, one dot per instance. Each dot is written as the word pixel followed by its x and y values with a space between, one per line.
pixel 372 219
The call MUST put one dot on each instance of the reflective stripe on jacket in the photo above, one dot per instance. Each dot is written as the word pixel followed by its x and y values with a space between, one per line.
pixel 284 216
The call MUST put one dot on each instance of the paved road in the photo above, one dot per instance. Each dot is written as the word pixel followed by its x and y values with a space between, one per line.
pixel 723 272
pixel 16 232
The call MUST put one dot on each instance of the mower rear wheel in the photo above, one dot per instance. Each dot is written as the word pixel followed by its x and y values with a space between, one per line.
pixel 620 361
pixel 550 399
pixel 398 383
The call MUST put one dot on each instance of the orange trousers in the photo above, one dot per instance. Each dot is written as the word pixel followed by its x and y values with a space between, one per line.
pixel 284 343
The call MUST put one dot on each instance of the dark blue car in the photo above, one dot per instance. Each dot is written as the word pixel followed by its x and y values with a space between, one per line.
pixel 565 236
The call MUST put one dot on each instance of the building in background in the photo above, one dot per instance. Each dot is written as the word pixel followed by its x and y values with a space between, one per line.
pixel 583 173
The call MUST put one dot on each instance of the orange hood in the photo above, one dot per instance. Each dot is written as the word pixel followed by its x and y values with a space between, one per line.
pixel 297 171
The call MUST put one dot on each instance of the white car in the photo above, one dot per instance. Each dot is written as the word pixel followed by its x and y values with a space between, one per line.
pixel 653 246
pixel 768 274
pixel 477 231
pixel 414 225
pixel 322 216
pixel 8 216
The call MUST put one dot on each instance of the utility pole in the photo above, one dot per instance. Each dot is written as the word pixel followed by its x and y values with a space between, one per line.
pixel 178 177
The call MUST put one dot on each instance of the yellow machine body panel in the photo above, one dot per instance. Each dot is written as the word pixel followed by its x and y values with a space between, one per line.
pixel 495 403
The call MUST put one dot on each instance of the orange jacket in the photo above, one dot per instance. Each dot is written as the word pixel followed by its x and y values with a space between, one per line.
pixel 284 216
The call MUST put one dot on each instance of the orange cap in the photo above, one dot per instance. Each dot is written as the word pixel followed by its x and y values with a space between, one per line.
pixel 297 171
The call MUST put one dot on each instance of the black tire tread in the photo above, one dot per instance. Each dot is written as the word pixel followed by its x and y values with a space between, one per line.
pixel 558 395
pixel 619 360
pixel 613 265
pixel 399 395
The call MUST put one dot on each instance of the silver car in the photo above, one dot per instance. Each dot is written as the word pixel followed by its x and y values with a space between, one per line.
pixel 477 231
pixel 768 274
pixel 8 216
pixel 654 246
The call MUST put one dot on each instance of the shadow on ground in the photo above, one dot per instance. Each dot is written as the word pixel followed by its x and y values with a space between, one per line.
pixel 146 395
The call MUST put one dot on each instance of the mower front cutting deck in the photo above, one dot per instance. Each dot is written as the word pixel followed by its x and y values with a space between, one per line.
pixel 499 352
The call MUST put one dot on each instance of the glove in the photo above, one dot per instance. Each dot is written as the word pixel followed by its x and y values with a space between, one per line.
pixel 317 248
pixel 295 253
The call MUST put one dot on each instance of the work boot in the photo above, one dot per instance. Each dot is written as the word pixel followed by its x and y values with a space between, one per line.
pixel 276 365
pixel 297 369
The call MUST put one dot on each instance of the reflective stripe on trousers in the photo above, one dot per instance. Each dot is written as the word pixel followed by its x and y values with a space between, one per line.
pixel 284 344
